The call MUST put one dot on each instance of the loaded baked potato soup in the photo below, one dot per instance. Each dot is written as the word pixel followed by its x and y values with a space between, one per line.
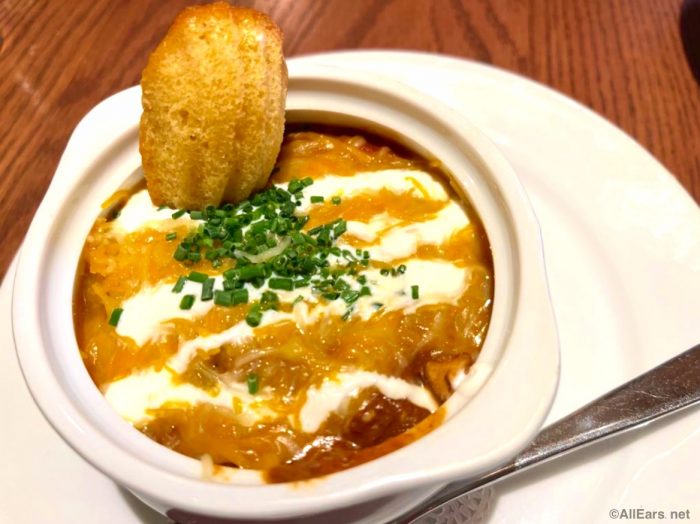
pixel 317 325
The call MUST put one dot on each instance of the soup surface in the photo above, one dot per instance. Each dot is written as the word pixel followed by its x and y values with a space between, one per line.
pixel 316 326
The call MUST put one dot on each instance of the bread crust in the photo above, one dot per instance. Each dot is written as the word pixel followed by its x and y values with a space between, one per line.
pixel 213 107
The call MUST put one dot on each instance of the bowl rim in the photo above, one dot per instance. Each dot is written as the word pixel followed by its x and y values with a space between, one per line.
pixel 340 489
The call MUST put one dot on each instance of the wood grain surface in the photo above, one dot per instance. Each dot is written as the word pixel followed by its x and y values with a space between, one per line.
pixel 622 58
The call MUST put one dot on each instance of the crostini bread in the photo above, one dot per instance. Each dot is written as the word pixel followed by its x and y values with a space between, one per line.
pixel 213 107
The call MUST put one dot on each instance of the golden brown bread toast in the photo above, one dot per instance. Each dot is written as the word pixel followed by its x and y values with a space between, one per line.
pixel 213 107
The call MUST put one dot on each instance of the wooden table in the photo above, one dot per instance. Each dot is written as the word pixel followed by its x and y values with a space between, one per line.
pixel 622 58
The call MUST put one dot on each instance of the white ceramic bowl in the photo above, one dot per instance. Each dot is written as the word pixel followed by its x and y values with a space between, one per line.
pixel 489 418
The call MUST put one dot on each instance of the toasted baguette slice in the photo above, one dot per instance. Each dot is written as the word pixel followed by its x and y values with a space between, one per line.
pixel 213 107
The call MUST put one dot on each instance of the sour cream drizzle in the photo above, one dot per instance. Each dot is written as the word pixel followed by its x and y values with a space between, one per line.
pixel 395 242
pixel 146 314
pixel 398 181
pixel 146 311
pixel 135 396
pixel 335 392
pixel 139 213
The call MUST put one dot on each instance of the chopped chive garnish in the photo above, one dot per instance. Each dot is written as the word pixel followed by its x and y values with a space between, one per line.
pixel 401 269
pixel 180 253
pixel 324 238
pixel 187 302
pixel 196 276
pixel 239 296
pixel 259 227
pixel 269 300
pixel 295 185
pixel 297 300
pixel 115 316
pixel 377 305
pixel 251 272
pixel 179 284
pixel 171 236
pixel 281 283
pixel 234 236
pixel 340 228
pixel 254 316
pixel 208 289
pixel 350 296
pixel 384 272
pixel 178 214
pixel 223 298
pixel 347 314
pixel 414 292
pixel 298 238
pixel 253 383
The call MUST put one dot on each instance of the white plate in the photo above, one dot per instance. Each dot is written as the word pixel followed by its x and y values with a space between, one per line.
pixel 622 244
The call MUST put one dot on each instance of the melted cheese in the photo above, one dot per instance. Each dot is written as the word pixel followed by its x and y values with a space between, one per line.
pixel 398 181
pixel 135 397
pixel 146 314
pixel 334 393
pixel 400 242
pixel 139 212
